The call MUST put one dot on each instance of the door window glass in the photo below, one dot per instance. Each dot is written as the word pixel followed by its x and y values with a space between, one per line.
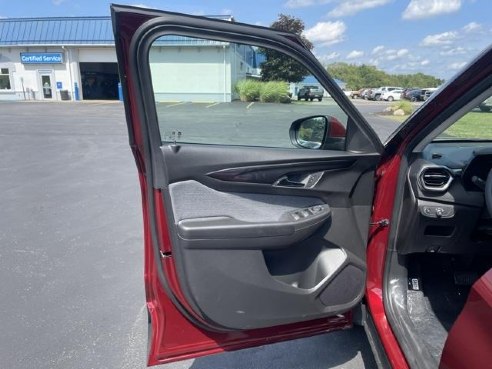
pixel 47 89
pixel 476 124
pixel 222 93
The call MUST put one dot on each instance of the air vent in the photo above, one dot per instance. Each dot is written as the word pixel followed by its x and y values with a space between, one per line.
pixel 435 178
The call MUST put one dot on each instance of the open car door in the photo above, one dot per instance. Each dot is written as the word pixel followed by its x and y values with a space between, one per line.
pixel 256 215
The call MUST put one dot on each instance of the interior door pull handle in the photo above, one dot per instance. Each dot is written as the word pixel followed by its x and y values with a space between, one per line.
pixel 286 182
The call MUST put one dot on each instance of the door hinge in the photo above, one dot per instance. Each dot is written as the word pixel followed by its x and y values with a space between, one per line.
pixel 381 223
pixel 165 254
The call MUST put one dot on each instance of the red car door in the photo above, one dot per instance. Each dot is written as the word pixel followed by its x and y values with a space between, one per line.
pixel 244 244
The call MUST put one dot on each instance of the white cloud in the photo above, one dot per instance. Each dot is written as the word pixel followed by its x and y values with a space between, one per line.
pixel 457 65
pixel 351 7
pixel 454 51
pixel 377 49
pixel 402 52
pixel 392 54
pixel 354 54
pixel 57 2
pixel 326 33
pixel 418 9
pixel 374 61
pixel 472 26
pixel 445 38
pixel 331 56
pixel 325 58
pixel 409 63
pixel 141 6
pixel 304 3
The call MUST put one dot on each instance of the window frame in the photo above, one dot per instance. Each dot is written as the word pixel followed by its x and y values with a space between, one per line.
pixel 8 75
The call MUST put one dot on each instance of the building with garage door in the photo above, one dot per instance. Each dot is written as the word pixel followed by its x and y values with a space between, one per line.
pixel 74 58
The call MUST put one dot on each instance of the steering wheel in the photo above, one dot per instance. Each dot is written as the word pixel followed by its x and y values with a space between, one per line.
pixel 488 192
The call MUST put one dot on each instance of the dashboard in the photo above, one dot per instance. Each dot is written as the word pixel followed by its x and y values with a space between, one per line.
pixel 473 159
pixel 444 199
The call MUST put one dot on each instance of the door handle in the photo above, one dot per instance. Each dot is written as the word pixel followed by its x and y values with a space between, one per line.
pixel 285 181
pixel 299 181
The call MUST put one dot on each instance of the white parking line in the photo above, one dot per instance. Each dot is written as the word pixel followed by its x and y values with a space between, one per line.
pixel 250 105
pixel 176 104
pixel 215 103
pixel 98 103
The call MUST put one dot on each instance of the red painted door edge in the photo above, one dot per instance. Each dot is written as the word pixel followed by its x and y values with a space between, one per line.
pixel 383 204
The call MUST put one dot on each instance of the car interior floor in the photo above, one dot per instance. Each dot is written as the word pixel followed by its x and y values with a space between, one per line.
pixel 438 288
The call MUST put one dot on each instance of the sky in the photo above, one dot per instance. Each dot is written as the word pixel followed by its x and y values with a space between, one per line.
pixel 436 37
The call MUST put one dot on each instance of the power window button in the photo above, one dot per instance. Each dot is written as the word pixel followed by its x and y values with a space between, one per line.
pixel 305 213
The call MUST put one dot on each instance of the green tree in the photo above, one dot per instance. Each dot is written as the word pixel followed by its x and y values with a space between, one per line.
pixel 360 76
pixel 278 66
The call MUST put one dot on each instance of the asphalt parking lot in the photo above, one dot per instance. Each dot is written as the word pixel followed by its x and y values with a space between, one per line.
pixel 255 123
pixel 71 261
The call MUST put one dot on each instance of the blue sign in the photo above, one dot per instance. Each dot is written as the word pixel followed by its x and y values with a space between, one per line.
pixel 41 58
pixel 59 85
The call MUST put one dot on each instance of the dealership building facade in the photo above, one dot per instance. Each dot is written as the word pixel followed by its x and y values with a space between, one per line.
pixel 74 58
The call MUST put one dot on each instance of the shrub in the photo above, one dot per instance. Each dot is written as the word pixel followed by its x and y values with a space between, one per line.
pixel 248 89
pixel 253 90
pixel 274 91
pixel 285 99
pixel 404 105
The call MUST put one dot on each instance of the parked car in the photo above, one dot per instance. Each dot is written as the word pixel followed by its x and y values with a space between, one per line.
pixel 486 105
pixel 310 92
pixel 391 95
pixel 357 94
pixel 251 244
pixel 366 94
pixel 413 95
pixel 406 90
pixel 376 94
pixel 426 92
pixel 347 93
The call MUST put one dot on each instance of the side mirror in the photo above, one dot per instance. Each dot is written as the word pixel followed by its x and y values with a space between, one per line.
pixel 322 132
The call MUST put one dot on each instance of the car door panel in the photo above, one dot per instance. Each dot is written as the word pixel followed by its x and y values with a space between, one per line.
pixel 257 169
pixel 244 245
pixel 241 237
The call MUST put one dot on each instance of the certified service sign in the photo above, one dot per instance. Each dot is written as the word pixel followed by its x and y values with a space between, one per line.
pixel 41 58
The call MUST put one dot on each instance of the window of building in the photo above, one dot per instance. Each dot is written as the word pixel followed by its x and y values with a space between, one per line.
pixel 4 79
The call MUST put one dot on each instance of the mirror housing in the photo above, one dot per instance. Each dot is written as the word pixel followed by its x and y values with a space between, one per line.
pixel 320 132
